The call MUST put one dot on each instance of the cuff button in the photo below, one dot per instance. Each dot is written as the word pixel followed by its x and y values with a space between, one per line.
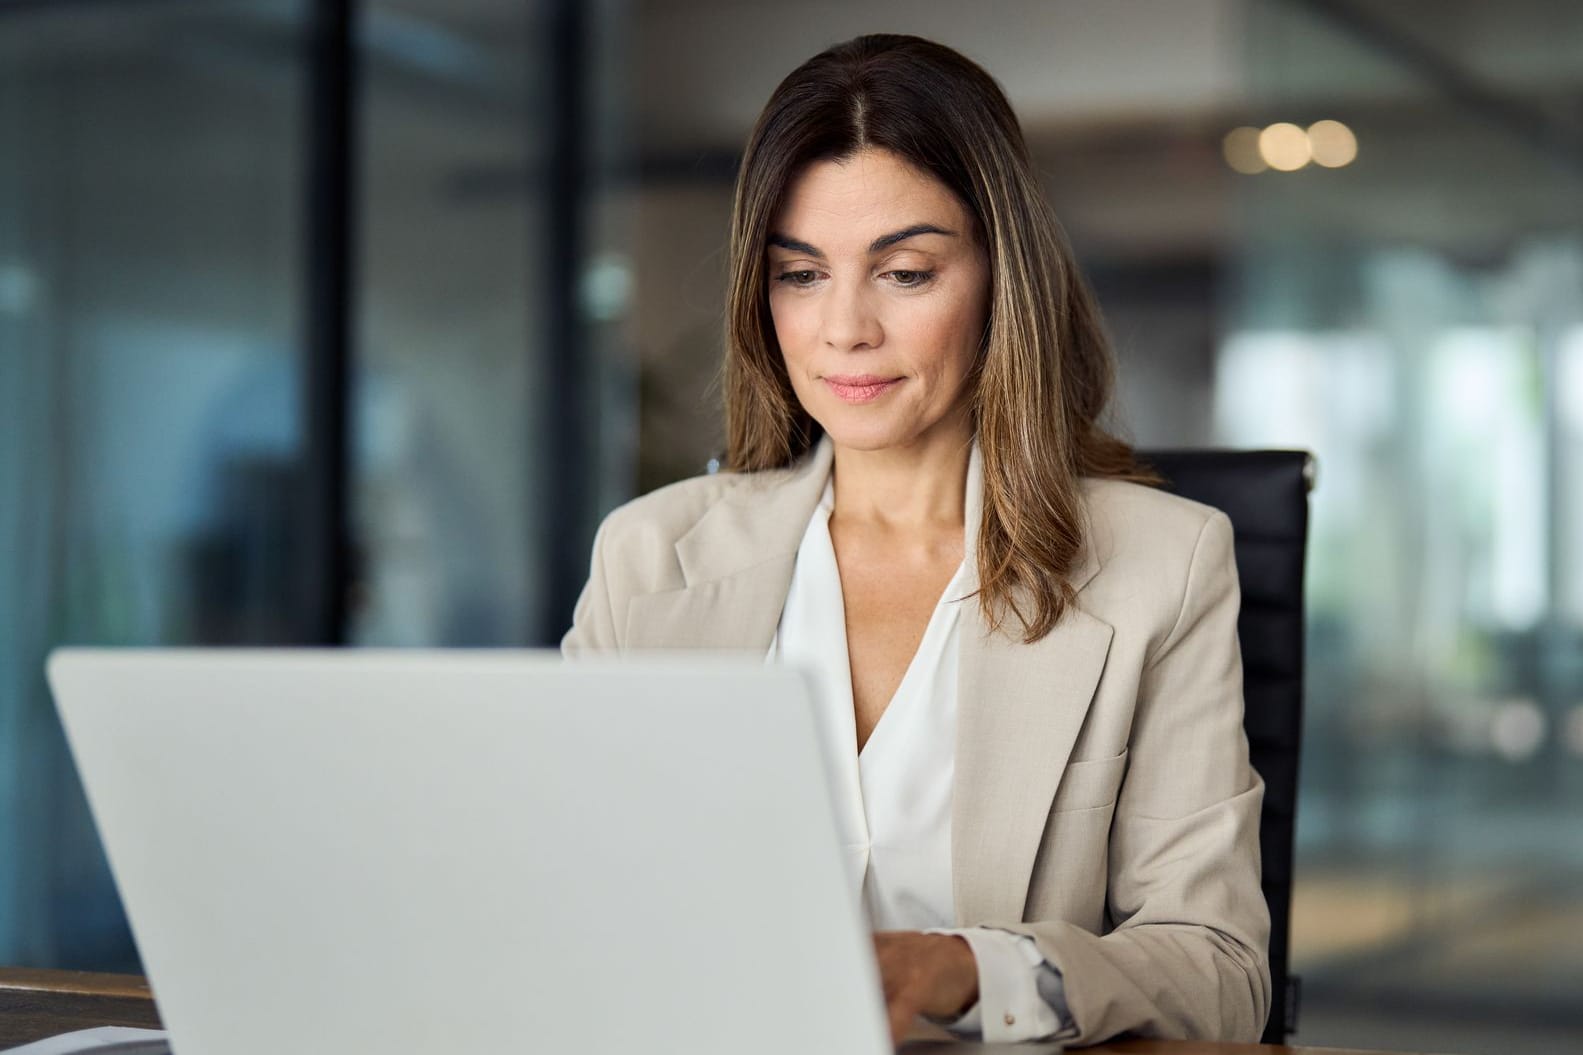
pixel 1010 1019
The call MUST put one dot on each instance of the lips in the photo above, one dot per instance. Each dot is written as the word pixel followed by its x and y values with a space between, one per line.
pixel 860 388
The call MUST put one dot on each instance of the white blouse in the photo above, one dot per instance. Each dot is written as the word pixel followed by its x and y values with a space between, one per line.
pixel 893 798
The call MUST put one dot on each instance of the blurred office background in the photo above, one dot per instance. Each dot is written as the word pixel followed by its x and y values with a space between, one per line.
pixel 343 323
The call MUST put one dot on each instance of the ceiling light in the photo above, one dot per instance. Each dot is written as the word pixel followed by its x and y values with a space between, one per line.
pixel 1285 147
pixel 1333 144
pixel 1241 147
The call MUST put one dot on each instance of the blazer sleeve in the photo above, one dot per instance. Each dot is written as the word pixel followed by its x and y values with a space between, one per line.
pixel 594 619
pixel 1187 955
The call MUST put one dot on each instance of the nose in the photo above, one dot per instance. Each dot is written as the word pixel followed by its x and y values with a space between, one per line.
pixel 849 321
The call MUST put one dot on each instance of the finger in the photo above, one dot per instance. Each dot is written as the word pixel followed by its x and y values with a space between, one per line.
pixel 903 1010
pixel 901 1016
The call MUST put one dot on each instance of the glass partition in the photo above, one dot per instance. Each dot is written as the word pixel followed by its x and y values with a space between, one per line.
pixel 464 485
pixel 150 421
pixel 156 469
pixel 1411 317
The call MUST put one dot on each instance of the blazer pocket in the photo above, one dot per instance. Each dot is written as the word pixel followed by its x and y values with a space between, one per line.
pixel 1090 784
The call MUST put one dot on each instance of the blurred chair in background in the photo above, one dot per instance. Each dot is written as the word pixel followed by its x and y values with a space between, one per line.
pixel 1265 493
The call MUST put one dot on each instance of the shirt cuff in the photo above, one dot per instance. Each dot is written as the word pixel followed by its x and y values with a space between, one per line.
pixel 1020 995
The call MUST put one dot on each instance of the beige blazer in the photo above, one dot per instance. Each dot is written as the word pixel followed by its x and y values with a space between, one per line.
pixel 1103 803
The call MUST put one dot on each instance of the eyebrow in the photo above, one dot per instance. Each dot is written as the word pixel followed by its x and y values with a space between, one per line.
pixel 882 242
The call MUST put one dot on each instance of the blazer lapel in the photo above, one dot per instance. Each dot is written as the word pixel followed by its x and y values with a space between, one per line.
pixel 737 564
pixel 1020 708
pixel 738 611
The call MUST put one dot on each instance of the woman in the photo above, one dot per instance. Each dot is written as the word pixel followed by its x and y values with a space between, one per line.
pixel 1031 662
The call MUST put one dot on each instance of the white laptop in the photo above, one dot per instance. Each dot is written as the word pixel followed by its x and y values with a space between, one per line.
pixel 358 852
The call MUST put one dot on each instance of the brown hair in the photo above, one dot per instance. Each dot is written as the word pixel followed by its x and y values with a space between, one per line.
pixel 1045 371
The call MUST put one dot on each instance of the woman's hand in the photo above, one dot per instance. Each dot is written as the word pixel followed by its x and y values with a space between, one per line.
pixel 924 974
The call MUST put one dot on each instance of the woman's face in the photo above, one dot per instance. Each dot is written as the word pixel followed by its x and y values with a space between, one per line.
pixel 880 295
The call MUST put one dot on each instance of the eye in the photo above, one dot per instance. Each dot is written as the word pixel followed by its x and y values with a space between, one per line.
pixel 912 279
pixel 797 278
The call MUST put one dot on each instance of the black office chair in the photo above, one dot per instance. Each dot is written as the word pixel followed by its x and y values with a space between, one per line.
pixel 1265 493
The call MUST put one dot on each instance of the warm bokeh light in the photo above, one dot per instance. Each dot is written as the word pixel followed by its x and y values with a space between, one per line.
pixel 1332 143
pixel 1241 147
pixel 1285 147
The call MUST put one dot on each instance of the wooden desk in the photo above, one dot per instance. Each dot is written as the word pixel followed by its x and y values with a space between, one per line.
pixel 36 1004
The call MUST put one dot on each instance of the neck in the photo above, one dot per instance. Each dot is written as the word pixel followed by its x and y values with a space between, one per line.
pixel 920 486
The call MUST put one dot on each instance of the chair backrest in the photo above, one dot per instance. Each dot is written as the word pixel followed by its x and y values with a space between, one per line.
pixel 1265 493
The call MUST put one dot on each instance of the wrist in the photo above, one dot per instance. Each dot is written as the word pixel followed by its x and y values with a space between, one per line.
pixel 962 975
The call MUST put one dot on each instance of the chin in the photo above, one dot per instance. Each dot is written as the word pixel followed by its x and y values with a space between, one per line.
pixel 876 435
